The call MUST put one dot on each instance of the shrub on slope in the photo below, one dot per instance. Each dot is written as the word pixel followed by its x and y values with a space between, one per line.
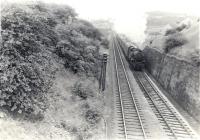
pixel 79 47
pixel 26 66
pixel 31 37
pixel 173 41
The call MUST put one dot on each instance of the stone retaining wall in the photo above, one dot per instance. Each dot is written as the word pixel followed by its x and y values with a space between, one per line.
pixel 180 78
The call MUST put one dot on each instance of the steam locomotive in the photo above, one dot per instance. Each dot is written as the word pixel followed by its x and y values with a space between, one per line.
pixel 134 56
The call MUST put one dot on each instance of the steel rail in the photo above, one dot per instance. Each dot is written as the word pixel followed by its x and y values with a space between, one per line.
pixel 120 96
pixel 162 112
pixel 163 100
pixel 131 92
pixel 171 130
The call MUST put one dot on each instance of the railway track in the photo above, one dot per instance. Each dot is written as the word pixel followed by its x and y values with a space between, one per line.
pixel 129 116
pixel 174 126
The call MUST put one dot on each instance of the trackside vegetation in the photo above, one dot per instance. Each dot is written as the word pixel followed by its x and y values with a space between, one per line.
pixel 36 39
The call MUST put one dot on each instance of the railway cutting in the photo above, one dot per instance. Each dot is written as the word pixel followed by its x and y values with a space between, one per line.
pixel 141 112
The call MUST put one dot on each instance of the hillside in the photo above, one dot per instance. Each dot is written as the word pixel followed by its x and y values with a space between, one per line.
pixel 49 67
pixel 179 38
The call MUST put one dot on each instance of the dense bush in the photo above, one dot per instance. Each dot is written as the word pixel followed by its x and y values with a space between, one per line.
pixel 195 57
pixel 170 31
pixel 82 89
pixel 174 41
pixel 105 43
pixel 26 65
pixel 91 105
pixel 79 47
pixel 175 30
pixel 31 36
pixel 92 116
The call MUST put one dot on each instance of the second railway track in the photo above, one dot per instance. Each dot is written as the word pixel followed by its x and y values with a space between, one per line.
pixel 174 126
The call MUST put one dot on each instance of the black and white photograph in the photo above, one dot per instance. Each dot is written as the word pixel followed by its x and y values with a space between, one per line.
pixel 99 70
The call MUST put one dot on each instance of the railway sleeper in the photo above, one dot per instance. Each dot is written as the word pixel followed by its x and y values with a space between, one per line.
pixel 182 133
pixel 171 119
pixel 131 116
pixel 181 129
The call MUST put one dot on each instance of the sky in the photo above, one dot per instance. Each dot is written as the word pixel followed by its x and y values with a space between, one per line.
pixel 128 16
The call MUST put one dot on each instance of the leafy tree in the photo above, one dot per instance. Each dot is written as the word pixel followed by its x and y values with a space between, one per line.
pixel 26 65
pixel 32 36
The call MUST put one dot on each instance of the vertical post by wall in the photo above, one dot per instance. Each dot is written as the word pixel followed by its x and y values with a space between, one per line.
pixel 102 79
pixel 104 71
